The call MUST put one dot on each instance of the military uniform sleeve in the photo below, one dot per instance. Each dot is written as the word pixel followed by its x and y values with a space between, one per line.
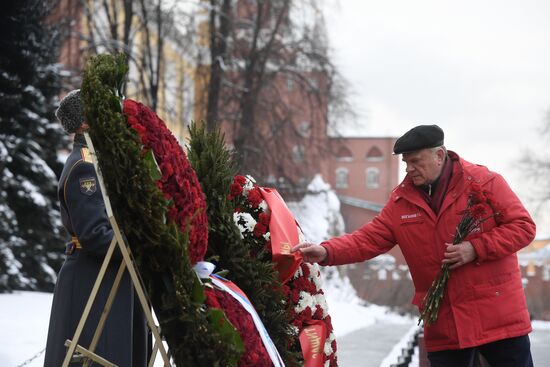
pixel 87 210
pixel 372 239
pixel 515 228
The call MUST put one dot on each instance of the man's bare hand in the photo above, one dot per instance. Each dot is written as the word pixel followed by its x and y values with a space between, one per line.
pixel 459 254
pixel 311 253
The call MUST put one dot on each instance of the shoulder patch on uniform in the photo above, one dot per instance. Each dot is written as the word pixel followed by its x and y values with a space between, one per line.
pixel 86 155
pixel 88 185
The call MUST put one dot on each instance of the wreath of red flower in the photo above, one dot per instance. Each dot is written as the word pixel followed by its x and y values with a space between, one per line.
pixel 255 353
pixel 179 181
pixel 247 198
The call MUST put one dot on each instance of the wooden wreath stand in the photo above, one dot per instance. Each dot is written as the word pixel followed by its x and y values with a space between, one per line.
pixel 77 353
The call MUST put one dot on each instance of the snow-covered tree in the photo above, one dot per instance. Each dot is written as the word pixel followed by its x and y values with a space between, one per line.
pixel 30 227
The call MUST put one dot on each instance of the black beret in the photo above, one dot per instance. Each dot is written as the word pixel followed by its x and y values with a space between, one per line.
pixel 419 137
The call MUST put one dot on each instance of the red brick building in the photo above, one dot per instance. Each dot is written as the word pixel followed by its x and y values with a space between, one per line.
pixel 363 172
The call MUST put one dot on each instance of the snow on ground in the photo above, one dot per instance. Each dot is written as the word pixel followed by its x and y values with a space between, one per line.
pixel 348 312
pixel 397 349
pixel 540 325
pixel 24 317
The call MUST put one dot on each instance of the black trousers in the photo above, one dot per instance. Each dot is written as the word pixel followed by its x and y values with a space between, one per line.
pixel 513 352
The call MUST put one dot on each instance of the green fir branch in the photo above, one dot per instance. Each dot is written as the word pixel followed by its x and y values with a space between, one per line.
pixel 215 169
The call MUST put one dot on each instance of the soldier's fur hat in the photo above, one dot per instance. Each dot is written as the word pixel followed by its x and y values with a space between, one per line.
pixel 69 112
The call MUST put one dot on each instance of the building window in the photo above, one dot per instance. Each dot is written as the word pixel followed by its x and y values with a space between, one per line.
pixel 342 175
pixel 375 155
pixel 271 180
pixel 531 270
pixel 304 129
pixel 290 84
pixel 313 85
pixel 298 153
pixel 373 178
pixel 344 155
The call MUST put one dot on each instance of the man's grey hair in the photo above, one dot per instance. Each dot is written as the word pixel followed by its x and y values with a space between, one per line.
pixel 435 149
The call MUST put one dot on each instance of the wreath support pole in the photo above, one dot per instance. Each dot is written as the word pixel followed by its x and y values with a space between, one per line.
pixel 76 352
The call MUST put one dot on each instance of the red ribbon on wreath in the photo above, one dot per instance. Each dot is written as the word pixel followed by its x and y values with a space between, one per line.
pixel 284 235
pixel 312 340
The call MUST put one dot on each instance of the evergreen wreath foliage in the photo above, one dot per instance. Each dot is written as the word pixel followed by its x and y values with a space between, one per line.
pixel 215 169
pixel 196 336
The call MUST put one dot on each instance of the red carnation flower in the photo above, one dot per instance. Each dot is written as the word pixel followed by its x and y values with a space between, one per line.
pixel 236 189
pixel 477 194
pixel 211 299
pixel 305 269
pixel 255 353
pixel 318 315
pixel 254 197
pixel 240 180
pixel 259 229
pixel 130 107
pixel 264 218
pixel 478 211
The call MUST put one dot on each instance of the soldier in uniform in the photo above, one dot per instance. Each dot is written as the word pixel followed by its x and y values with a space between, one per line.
pixel 124 337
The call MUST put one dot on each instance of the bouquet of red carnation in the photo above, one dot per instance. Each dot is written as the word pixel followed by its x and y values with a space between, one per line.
pixel 474 214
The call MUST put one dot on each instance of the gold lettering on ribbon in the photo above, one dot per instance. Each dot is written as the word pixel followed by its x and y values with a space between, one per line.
pixel 285 248
pixel 314 340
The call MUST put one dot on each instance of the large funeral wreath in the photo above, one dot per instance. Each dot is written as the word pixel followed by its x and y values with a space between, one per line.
pixel 160 208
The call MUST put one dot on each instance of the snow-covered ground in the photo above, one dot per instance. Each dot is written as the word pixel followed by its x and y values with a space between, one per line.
pixel 24 318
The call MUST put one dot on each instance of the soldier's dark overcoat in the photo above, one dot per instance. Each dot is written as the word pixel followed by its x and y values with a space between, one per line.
pixel 124 338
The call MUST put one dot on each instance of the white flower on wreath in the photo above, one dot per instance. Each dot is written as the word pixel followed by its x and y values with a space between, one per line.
pixel 249 185
pixel 328 347
pixel 245 222
pixel 306 300
pixel 298 272
pixel 322 302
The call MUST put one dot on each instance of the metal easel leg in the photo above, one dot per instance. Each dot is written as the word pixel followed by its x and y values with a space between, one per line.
pixel 91 299
pixel 139 290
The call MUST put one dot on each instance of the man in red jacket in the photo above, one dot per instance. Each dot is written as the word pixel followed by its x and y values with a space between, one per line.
pixel 484 308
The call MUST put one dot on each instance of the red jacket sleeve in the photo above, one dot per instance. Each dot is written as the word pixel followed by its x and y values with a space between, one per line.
pixel 515 228
pixel 371 240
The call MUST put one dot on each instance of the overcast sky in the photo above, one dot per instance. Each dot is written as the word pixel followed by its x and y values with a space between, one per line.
pixel 478 69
